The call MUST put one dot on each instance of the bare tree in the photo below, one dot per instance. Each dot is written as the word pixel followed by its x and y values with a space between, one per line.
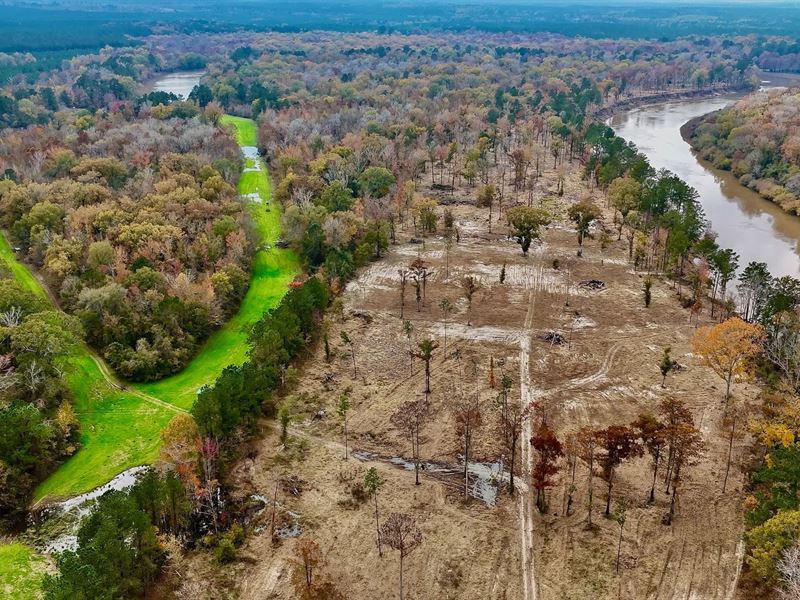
pixel 347 340
pixel 408 330
pixel 342 408
pixel 403 281
pixel 446 306
pixel 309 576
pixel 731 420
pixel 789 569
pixel 400 532
pixel 410 418
pixel 587 440
pixel 467 413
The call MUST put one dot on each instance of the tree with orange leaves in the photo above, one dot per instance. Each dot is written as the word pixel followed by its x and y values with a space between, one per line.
pixel 729 348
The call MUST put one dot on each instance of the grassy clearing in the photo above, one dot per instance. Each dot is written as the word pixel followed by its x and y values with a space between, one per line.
pixel 121 428
pixel 245 130
pixel 21 572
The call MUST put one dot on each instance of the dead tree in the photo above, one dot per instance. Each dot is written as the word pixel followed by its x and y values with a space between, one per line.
pixel 400 532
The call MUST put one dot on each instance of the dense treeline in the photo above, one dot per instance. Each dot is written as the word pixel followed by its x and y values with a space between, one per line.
pixel 137 226
pixel 773 506
pixel 52 25
pixel 758 140
pixel 244 393
pixel 38 425
pixel 98 81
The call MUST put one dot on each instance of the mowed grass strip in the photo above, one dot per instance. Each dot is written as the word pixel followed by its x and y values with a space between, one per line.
pixel 21 572
pixel 19 272
pixel 273 269
pixel 119 430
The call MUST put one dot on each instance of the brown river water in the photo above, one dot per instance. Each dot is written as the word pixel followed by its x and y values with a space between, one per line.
pixel 744 221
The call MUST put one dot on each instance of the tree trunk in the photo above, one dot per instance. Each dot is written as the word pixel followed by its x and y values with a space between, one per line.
pixel 511 466
pixel 466 462
pixel 591 466
pixel 401 575
pixel 619 546
pixel 428 376
pixel 345 437
pixel 415 450
pixel 730 454
pixel 655 475
pixel 378 527
pixel 728 380
pixel 608 493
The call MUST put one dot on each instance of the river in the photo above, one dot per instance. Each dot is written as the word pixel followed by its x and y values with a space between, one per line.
pixel 744 221
pixel 180 83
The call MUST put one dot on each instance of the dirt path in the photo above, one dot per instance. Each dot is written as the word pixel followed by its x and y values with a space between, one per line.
pixel 524 502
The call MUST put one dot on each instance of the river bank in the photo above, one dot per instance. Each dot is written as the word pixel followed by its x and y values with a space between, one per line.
pixel 627 104
pixel 688 130
pixel 758 230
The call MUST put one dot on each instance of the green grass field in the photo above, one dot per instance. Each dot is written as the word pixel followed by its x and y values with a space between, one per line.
pixel 21 572
pixel 18 271
pixel 121 429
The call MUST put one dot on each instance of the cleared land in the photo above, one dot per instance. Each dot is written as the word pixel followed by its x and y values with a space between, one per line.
pixel 605 372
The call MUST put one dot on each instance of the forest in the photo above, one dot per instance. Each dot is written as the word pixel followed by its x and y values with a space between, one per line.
pixel 490 318
pixel 758 140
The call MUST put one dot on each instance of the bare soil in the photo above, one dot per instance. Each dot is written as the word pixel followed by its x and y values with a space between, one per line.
pixel 606 372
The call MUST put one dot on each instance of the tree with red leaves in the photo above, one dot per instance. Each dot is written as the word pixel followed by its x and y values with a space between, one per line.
pixel 687 444
pixel 617 443
pixel 549 450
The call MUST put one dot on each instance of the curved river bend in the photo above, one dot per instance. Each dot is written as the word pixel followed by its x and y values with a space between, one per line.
pixel 754 227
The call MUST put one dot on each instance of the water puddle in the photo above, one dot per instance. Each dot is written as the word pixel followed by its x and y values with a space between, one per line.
pixel 484 478
pixel 287 521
